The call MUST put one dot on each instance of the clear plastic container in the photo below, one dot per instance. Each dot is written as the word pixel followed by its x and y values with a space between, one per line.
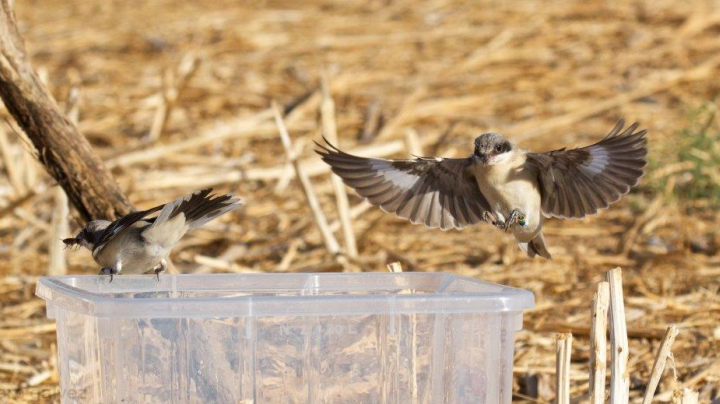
pixel 284 338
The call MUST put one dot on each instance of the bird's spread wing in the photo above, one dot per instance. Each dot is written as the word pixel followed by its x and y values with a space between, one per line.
pixel 434 191
pixel 121 224
pixel 579 182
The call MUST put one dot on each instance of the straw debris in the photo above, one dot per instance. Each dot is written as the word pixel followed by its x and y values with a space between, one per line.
pixel 404 77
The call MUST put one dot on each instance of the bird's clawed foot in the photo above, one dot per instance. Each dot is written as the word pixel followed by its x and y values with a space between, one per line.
pixel 162 266
pixel 108 271
pixel 515 217
pixel 490 218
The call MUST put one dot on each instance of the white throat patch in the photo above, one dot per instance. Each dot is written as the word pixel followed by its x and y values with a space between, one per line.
pixel 500 158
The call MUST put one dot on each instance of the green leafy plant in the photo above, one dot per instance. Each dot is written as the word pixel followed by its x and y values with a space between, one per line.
pixel 695 152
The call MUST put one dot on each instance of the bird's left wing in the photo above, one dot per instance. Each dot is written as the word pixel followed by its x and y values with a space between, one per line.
pixel 437 192
pixel 579 182
pixel 121 224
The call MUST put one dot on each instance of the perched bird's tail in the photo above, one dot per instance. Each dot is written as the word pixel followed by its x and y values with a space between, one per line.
pixel 200 207
pixel 187 213
pixel 535 247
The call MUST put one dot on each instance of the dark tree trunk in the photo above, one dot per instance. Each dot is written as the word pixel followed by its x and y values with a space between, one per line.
pixel 64 152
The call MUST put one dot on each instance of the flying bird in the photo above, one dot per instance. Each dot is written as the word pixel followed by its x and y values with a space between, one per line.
pixel 137 243
pixel 500 183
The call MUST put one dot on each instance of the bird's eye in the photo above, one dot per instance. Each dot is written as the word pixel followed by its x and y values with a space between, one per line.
pixel 498 147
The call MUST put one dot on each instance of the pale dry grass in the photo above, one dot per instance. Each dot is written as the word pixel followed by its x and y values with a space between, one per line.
pixel 546 74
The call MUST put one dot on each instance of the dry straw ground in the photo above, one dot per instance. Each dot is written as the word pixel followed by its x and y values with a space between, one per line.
pixel 175 95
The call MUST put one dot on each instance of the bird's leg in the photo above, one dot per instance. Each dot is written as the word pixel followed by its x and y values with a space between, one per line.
pixel 161 268
pixel 108 271
pixel 490 218
pixel 115 270
pixel 515 217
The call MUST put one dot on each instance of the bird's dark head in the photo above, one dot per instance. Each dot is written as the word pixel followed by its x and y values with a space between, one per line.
pixel 88 236
pixel 490 148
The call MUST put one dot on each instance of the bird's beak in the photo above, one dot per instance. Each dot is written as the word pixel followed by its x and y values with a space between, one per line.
pixel 484 158
pixel 71 242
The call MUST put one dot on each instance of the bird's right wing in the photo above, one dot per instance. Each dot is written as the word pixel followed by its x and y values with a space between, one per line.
pixel 434 191
pixel 578 182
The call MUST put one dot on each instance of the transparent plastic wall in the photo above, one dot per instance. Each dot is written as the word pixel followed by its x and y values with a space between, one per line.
pixel 295 338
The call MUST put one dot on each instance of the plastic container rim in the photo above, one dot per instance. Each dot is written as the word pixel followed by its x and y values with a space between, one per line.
pixel 509 299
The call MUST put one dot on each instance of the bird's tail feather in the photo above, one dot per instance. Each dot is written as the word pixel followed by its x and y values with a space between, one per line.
pixel 197 209
pixel 535 247
pixel 203 207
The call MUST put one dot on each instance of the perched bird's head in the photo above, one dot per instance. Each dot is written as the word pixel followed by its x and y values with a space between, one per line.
pixel 490 148
pixel 89 235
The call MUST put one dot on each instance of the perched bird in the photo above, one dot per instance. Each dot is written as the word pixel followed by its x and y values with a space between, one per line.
pixel 499 183
pixel 137 244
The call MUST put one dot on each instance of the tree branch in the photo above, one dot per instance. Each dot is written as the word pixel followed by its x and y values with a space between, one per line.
pixel 64 152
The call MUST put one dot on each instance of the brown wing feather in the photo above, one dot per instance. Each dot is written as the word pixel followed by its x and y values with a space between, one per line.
pixel 579 182
pixel 436 192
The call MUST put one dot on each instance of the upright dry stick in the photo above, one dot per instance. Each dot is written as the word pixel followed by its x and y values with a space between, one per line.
pixel 562 363
pixel 598 343
pixel 72 105
pixel 711 369
pixel 394 267
pixel 372 122
pixel 289 173
pixel 60 230
pixel 57 264
pixel 659 365
pixel 685 396
pixel 327 111
pixel 10 164
pixel 330 243
pixel 30 170
pixel 355 212
pixel 620 380
pixel 412 142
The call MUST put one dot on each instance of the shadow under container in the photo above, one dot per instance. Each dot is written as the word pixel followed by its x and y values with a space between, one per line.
pixel 284 338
